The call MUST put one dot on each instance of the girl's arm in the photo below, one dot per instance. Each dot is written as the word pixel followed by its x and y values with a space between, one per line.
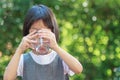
pixel 11 70
pixel 71 61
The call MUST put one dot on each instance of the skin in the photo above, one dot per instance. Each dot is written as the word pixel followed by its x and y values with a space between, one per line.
pixel 39 27
pixel 72 62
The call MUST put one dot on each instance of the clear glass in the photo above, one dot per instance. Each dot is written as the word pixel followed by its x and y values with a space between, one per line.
pixel 42 46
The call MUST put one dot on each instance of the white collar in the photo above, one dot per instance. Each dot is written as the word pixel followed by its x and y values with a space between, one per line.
pixel 43 59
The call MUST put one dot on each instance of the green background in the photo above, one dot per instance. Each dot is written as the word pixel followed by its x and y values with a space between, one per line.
pixel 89 30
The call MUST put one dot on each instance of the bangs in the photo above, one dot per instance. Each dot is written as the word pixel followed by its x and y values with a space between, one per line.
pixel 40 12
pixel 37 13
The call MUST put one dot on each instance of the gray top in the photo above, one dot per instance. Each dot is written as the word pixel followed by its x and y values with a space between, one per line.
pixel 35 71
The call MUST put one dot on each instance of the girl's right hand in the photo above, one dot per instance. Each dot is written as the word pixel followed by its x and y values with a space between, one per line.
pixel 27 41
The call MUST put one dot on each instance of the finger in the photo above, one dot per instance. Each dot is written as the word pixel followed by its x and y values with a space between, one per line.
pixel 31 41
pixel 44 31
pixel 30 44
pixel 47 37
pixel 33 32
pixel 27 46
pixel 32 47
pixel 34 36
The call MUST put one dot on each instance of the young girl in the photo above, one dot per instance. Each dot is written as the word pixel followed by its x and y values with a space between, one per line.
pixel 46 60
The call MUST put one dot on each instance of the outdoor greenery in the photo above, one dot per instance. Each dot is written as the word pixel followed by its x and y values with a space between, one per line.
pixel 89 30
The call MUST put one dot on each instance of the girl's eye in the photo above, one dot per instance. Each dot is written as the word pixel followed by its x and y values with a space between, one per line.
pixel 31 30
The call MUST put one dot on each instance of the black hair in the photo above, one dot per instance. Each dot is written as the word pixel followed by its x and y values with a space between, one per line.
pixel 44 13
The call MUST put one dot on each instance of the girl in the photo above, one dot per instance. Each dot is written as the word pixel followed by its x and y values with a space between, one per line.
pixel 46 60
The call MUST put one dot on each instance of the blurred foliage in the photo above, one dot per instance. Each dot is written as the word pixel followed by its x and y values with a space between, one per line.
pixel 89 31
pixel 117 73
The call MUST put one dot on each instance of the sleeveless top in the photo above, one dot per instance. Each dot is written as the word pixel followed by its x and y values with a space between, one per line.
pixel 35 71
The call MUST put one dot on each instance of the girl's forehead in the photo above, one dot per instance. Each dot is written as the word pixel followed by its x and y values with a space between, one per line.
pixel 38 24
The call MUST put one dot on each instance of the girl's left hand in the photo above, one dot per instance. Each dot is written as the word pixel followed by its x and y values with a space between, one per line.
pixel 50 36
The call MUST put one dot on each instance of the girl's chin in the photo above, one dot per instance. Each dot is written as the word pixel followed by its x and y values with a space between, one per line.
pixel 41 52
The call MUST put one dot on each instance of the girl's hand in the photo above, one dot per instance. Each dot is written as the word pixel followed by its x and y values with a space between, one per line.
pixel 27 41
pixel 50 36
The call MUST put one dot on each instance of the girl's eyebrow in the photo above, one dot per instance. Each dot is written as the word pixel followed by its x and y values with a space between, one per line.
pixel 33 28
pixel 42 27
